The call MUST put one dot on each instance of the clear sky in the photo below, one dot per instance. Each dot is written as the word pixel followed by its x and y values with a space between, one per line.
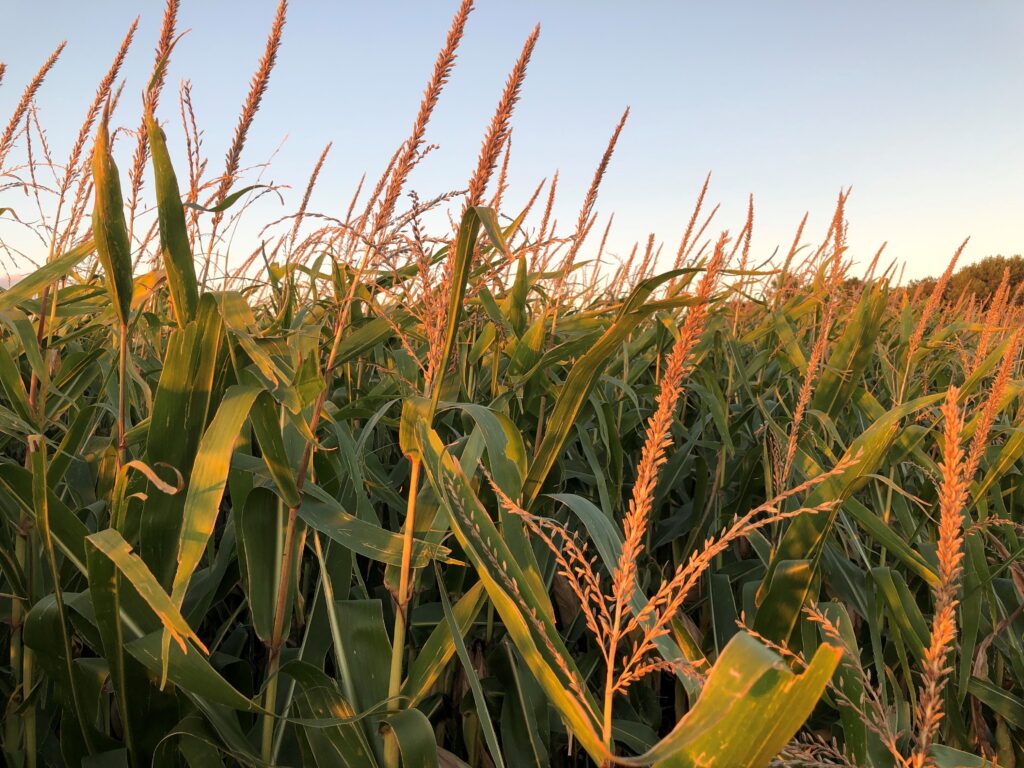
pixel 918 105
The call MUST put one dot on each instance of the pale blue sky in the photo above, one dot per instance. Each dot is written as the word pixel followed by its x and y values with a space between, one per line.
pixel 918 105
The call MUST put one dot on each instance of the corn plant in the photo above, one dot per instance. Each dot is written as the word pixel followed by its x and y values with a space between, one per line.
pixel 378 493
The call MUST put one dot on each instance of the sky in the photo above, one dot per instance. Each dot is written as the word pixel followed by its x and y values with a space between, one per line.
pixel 916 105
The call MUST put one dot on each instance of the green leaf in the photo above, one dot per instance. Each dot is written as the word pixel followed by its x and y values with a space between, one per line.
pixel 40 502
pixel 181 408
pixel 108 225
pixel 855 731
pixel 1003 702
pixel 607 538
pixel 431 661
pixel 325 514
pixel 455 632
pixel 109 546
pixel 228 200
pixel 523 612
pixel 790 590
pixel 30 285
pixel 259 523
pixel 191 672
pixel 805 535
pixel 947 757
pixel 106 600
pixel 851 353
pixel 465 244
pixel 177 253
pixel 574 391
pixel 267 425
pixel 333 743
pixel 415 738
pixel 751 706
pixel 206 487
pixel 366 650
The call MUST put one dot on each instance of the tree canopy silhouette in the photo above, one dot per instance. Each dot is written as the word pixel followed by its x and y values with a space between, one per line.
pixel 981 278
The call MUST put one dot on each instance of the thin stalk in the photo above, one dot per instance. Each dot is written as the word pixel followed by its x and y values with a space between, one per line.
pixel 495 362
pixel 270 694
pixel 625 378
pixel 41 333
pixel 609 681
pixel 540 426
pixel 122 393
pixel 37 454
pixel 29 715
pixel 290 692
pixel 269 703
pixel 21 656
pixel 280 608
pixel 277 635
pixel 293 546
pixel 340 659
pixel 401 610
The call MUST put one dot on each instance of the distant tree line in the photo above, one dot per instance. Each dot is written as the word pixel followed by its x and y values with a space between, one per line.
pixel 981 278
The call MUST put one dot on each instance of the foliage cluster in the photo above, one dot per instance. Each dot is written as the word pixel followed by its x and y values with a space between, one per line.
pixel 376 496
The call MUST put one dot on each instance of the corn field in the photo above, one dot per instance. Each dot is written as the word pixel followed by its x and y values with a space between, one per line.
pixel 385 491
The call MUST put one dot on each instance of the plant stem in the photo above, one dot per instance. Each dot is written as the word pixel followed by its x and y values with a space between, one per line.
pixel 19 654
pixel 29 717
pixel 277 636
pixel 122 393
pixel 340 659
pixel 269 704
pixel 609 681
pixel 22 658
pixel 40 488
pixel 401 611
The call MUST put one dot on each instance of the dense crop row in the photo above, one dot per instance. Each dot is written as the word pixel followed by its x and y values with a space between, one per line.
pixel 380 496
